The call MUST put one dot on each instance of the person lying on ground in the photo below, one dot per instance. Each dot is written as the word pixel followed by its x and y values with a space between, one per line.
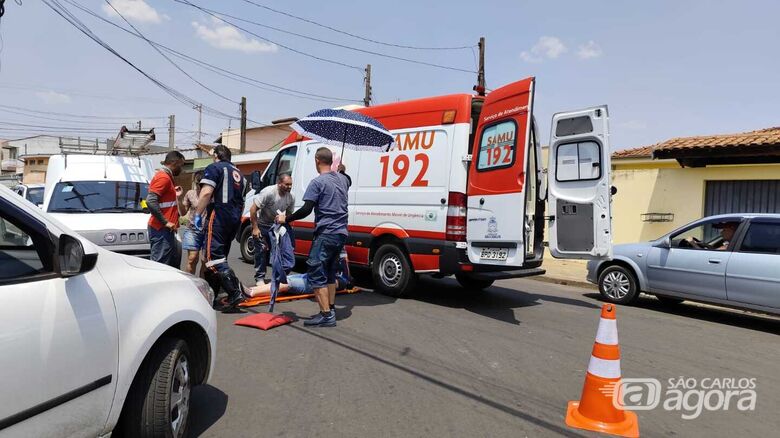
pixel 298 284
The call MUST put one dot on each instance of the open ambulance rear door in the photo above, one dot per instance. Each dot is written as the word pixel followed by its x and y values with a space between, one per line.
pixel 579 185
pixel 496 225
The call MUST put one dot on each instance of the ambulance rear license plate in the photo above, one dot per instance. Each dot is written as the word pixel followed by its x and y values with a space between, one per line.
pixel 493 254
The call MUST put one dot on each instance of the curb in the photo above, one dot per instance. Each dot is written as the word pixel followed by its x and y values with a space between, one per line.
pixel 564 282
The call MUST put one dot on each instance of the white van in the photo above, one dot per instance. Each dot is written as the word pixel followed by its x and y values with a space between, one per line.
pixel 463 192
pixel 100 196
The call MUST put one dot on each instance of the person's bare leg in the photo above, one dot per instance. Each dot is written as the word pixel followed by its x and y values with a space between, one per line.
pixel 265 289
pixel 323 298
pixel 192 261
pixel 332 294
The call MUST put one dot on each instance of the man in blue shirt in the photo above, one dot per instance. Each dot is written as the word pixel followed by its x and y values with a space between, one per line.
pixel 327 196
pixel 222 198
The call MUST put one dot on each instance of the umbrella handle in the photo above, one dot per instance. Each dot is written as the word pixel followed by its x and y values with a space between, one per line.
pixel 343 141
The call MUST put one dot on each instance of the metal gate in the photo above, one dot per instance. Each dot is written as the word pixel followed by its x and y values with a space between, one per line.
pixel 750 196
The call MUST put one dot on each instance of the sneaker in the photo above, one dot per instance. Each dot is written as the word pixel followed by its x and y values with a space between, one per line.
pixel 320 320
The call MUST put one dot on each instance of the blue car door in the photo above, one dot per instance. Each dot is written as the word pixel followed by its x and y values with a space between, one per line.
pixel 752 275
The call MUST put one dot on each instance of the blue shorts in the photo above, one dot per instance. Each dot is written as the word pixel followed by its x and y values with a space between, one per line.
pixel 299 284
pixel 323 262
pixel 192 240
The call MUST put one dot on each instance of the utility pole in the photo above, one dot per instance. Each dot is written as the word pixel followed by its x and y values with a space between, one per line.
pixel 199 107
pixel 242 148
pixel 367 80
pixel 171 130
pixel 481 86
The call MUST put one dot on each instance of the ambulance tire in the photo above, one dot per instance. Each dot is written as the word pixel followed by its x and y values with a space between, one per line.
pixel 392 272
pixel 247 245
pixel 472 284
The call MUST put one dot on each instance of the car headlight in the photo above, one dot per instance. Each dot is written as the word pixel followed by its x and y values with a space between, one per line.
pixel 203 287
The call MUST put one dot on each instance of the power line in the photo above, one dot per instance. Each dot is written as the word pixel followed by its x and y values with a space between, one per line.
pixel 70 92
pixel 217 70
pixel 343 32
pixel 330 61
pixel 65 128
pixel 89 116
pixel 138 32
pixel 56 119
pixel 63 12
pixel 219 16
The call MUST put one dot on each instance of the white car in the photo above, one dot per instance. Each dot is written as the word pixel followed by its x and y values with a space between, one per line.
pixel 91 340
pixel 31 192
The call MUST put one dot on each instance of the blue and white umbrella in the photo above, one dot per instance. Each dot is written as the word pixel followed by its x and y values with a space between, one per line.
pixel 347 129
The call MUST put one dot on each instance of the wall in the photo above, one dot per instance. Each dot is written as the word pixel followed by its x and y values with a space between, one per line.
pixel 35 169
pixel 664 187
pixel 248 168
pixel 257 139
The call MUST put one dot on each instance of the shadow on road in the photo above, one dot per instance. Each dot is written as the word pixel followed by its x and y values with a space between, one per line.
pixel 722 315
pixel 207 405
pixel 495 302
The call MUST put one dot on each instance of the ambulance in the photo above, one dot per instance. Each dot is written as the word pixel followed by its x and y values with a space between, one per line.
pixel 463 191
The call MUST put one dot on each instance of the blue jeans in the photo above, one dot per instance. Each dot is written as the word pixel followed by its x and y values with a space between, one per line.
pixel 323 262
pixel 262 253
pixel 164 248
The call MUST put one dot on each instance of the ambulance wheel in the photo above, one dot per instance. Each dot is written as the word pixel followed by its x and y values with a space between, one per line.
pixel 472 284
pixel 392 272
pixel 247 245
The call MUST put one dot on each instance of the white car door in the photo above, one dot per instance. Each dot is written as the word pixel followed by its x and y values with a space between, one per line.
pixel 579 178
pixel 58 336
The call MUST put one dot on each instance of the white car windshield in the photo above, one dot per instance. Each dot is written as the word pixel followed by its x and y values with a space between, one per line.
pixel 98 196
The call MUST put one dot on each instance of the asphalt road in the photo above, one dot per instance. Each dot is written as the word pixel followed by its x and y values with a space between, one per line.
pixel 448 362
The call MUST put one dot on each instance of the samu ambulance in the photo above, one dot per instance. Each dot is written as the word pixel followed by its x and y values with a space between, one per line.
pixel 462 192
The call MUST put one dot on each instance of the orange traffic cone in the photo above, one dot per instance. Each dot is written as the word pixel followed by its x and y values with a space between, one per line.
pixel 595 410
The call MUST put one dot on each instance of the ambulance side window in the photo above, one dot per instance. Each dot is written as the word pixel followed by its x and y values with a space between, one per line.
pixel 497 146
pixel 578 161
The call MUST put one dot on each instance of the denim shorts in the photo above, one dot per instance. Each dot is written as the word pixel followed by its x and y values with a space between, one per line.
pixel 323 262
pixel 192 240
pixel 298 284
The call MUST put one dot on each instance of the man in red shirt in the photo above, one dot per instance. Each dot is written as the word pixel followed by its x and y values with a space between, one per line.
pixel 164 200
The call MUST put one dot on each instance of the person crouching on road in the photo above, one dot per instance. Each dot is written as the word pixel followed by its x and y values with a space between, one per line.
pixel 164 202
pixel 222 199
pixel 192 242
pixel 327 196
pixel 262 213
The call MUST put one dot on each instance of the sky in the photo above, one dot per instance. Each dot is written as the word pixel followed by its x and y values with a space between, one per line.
pixel 664 68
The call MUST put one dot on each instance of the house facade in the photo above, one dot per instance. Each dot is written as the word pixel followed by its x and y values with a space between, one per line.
pixel 667 185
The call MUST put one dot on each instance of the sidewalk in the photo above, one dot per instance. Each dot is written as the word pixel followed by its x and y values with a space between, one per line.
pixel 567 272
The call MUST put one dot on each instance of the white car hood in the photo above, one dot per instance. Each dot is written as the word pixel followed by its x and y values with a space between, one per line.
pixel 103 221
pixel 140 263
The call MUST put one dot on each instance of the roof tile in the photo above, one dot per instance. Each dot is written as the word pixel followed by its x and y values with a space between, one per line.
pixel 760 137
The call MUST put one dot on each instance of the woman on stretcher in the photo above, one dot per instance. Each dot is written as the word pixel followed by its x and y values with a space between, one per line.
pixel 298 284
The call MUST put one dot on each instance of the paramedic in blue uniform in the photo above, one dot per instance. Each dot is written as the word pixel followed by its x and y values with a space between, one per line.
pixel 222 198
